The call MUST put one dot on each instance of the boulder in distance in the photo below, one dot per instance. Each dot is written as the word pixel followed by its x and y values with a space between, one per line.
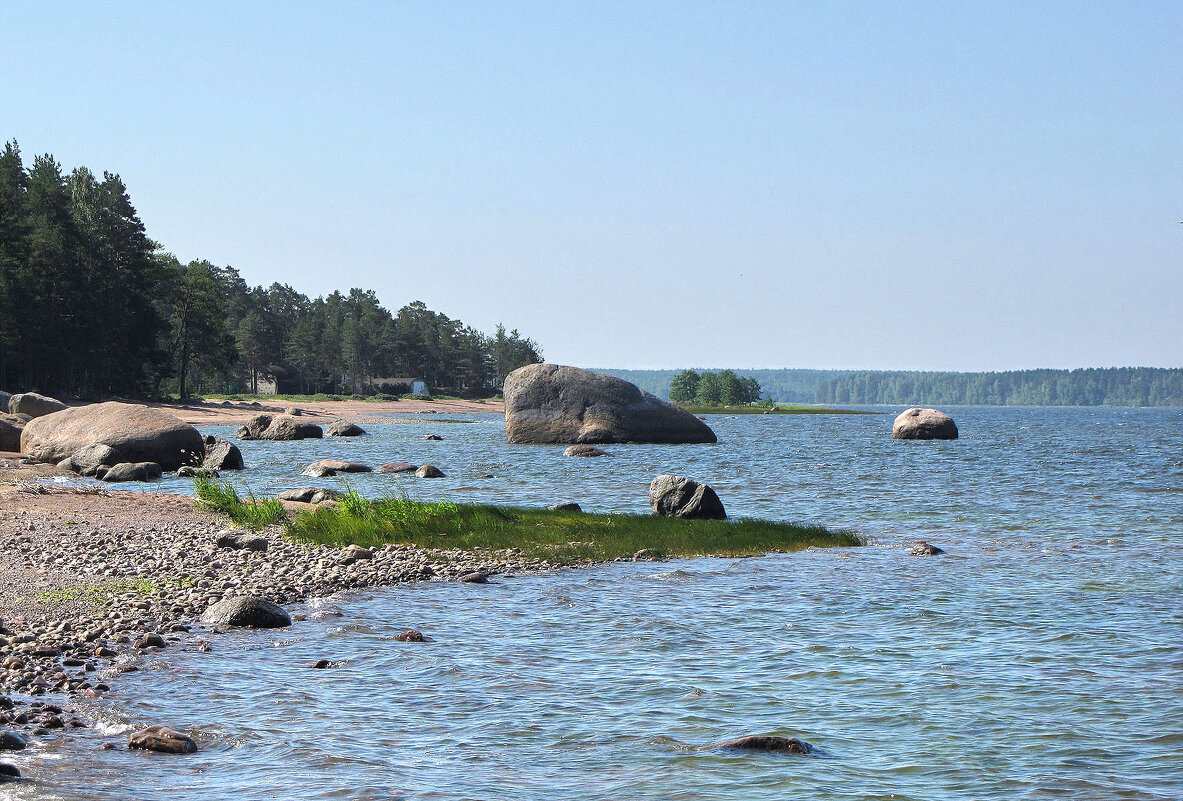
pixel 34 405
pixel 919 423
pixel 550 403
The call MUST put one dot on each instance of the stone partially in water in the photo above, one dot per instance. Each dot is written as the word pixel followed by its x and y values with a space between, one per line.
pixel 163 740
pixel 584 450
pixel 12 741
pixel 429 471
pixel 923 548
pixel 343 428
pixel 8 772
pixel 767 743
pixel 919 423
pixel 397 467
pixel 250 610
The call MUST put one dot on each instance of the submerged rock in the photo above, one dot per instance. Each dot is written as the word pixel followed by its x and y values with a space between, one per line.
pixel 584 450
pixel 163 740
pixel 919 423
pixel 677 496
pixel 397 467
pixel 549 403
pixel 768 743
pixel 923 548
pixel 330 467
pixel 411 635
pixel 429 471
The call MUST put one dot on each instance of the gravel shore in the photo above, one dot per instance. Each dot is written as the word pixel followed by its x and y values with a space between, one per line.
pixel 90 581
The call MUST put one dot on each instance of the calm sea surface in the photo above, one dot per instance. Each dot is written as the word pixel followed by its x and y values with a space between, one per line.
pixel 1041 658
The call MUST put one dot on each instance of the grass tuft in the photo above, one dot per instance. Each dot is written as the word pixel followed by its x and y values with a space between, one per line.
pixel 556 536
pixel 253 513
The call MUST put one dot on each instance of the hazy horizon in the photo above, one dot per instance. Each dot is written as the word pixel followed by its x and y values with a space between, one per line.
pixel 907 186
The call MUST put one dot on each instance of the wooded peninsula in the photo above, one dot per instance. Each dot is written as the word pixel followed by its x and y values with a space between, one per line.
pixel 91 307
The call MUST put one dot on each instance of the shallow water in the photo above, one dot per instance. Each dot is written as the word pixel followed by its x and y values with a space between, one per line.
pixel 1041 658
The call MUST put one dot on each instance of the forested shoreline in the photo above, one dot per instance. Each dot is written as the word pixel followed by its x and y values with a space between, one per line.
pixel 1092 386
pixel 91 307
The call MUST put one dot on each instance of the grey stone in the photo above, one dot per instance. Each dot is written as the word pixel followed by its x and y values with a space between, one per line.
pixel 548 403
pixel 677 496
pixel 249 610
pixel 279 427
pixel 137 433
pixel 34 405
pixel 429 471
pixel 397 467
pixel 241 541
pixel 565 506
pixel 197 472
pixel 343 428
pixel 584 450
pixel 131 471
pixel 221 454
pixel 919 423
pixel 309 495
pixel 87 460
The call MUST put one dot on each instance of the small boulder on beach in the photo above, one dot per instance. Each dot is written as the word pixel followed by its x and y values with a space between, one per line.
pixel 917 423
pixel 248 610
pixel 677 496
pixel 162 740
pixel 130 471
pixel 240 541
pixel 308 495
pixel 565 506
pixel 136 433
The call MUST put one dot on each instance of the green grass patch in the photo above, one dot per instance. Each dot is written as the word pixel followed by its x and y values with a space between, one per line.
pixel 559 537
pixel 253 513
pixel 781 409
pixel 102 594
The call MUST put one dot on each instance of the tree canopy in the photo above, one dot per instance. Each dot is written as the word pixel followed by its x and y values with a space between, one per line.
pixel 724 388
pixel 91 307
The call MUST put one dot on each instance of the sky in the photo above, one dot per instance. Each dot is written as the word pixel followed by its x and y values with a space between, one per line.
pixel 928 186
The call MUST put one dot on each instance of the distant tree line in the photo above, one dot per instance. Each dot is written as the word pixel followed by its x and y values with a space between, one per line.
pixel 1115 386
pixel 91 307
pixel 724 388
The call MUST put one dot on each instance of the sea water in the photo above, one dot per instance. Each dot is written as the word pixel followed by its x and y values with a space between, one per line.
pixel 1041 657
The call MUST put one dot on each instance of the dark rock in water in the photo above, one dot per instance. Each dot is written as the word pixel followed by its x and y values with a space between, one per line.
pixel 8 772
pixel 922 548
pixel 479 577
pixel 130 471
pixel 433 437
pixel 677 496
pixel 397 467
pixel 771 744
pixel 163 740
pixel 11 741
pixel 343 428
pixel 151 641
pixel 411 635
pixel 221 454
pixel 429 471
pixel 320 664
pixel 136 433
pixel 309 495
pixel 241 541
pixel 279 427
pixel 565 506
pixel 249 610
pixel 549 403
pixel 584 450
pixel 34 405
pixel 924 424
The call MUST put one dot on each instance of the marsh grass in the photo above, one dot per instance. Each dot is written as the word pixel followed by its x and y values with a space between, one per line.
pixel 558 537
pixel 253 513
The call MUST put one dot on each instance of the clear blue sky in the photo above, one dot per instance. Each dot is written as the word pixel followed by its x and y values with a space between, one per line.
pixel 858 185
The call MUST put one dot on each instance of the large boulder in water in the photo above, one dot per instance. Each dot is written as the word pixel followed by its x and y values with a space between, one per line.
pixel 677 496
pixel 221 454
pixel 34 405
pixel 137 433
pixel 548 403
pixel 924 424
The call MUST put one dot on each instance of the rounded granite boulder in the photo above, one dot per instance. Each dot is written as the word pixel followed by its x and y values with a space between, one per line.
pixel 247 610
pixel 137 433
pixel 917 423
